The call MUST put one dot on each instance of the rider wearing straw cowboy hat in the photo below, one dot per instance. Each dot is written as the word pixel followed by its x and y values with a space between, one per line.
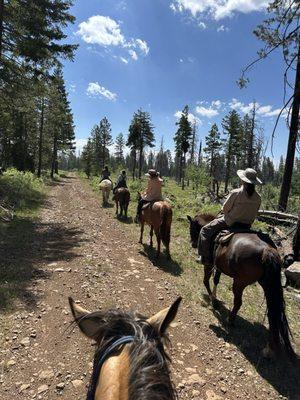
pixel 240 207
pixel 152 193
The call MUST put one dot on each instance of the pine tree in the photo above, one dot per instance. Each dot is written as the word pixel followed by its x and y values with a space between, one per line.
pixel 140 136
pixel 31 31
pixel 213 146
pixel 119 149
pixel 232 128
pixel 87 157
pixel 105 140
pixel 182 142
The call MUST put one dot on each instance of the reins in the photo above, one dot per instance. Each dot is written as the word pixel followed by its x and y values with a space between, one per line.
pixel 98 363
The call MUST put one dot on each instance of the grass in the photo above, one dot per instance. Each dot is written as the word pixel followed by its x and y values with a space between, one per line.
pixel 187 202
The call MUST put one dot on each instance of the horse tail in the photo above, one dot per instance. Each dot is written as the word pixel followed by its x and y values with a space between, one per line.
pixel 271 283
pixel 165 227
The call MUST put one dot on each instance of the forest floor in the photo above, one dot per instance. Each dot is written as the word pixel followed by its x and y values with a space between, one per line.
pixel 75 247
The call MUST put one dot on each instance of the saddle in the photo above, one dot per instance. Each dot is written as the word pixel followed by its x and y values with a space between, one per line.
pixel 224 237
pixel 149 204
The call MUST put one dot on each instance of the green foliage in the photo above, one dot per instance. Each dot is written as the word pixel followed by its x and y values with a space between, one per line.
pixel 140 136
pixel 22 191
pixel 199 177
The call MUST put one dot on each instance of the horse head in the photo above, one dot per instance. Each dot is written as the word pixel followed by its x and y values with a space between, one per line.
pixel 196 224
pixel 129 353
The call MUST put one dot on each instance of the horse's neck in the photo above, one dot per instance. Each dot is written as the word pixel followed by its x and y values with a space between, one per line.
pixel 114 376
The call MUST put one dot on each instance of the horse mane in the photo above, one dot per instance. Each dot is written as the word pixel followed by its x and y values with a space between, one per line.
pixel 149 375
pixel 204 218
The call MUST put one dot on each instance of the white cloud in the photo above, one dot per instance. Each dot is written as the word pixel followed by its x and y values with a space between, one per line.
pixel 218 9
pixel 105 31
pixel 202 25
pixel 208 112
pixel 191 117
pixel 94 90
pixel 222 28
pixel 124 60
pixel 264 111
pixel 101 30
pixel 142 46
pixel 72 88
pixel 133 54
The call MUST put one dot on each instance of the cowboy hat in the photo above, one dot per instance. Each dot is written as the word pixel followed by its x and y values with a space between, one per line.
pixel 152 173
pixel 249 175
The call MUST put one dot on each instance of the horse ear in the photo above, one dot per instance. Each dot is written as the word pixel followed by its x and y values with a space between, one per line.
pixel 87 322
pixel 189 218
pixel 163 318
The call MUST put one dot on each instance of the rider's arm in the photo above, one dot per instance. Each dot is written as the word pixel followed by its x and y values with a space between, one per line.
pixel 227 206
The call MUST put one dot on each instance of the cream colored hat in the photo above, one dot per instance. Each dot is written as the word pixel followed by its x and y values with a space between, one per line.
pixel 249 175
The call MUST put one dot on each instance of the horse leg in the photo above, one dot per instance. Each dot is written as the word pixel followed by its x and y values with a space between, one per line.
pixel 142 232
pixel 216 282
pixel 208 269
pixel 237 289
pixel 158 238
pixel 151 236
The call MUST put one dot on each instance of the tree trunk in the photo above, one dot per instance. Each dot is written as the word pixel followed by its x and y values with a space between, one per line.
pixel 134 165
pixel 200 155
pixel 54 157
pixel 290 155
pixel 1 25
pixel 183 171
pixel 296 242
pixel 41 138
pixel 250 155
pixel 140 161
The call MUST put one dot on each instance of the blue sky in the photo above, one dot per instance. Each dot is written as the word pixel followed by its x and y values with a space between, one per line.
pixel 163 54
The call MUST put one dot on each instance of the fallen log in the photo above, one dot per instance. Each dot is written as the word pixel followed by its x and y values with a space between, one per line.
pixel 278 215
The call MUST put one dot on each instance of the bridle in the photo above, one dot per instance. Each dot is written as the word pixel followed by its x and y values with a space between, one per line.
pixel 99 361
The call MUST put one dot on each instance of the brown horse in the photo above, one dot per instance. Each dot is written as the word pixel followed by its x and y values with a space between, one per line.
pixel 248 259
pixel 130 361
pixel 159 216
pixel 122 199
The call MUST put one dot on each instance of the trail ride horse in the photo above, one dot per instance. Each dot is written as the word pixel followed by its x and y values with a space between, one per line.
pixel 122 199
pixel 130 361
pixel 158 215
pixel 105 187
pixel 247 258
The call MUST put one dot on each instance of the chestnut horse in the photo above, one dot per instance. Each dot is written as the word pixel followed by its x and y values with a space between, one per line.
pixel 122 198
pixel 158 215
pixel 248 259
pixel 130 361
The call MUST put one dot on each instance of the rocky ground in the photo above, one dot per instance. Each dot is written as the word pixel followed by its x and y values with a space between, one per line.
pixel 77 248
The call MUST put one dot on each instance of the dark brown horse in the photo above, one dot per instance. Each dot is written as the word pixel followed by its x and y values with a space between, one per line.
pixel 247 259
pixel 159 216
pixel 122 199
pixel 130 361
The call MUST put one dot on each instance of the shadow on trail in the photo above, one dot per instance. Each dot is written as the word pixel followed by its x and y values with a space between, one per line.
pixel 163 262
pixel 24 244
pixel 250 338
pixel 126 221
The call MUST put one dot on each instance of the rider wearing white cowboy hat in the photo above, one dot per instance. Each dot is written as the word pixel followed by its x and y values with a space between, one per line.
pixel 153 191
pixel 241 206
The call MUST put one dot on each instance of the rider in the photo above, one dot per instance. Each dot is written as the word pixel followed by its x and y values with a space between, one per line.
pixel 240 207
pixel 105 174
pixel 152 193
pixel 121 182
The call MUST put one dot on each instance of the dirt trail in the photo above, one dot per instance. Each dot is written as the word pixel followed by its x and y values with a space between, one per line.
pixel 95 258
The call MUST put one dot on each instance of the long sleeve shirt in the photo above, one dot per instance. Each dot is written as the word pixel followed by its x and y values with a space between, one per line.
pixel 153 191
pixel 240 207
